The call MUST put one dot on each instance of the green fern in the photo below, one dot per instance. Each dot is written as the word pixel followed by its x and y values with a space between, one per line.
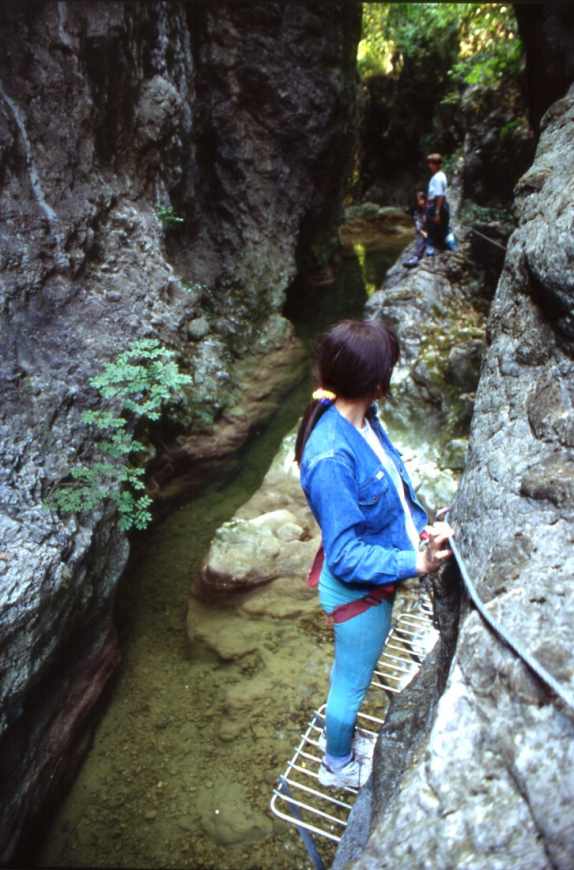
pixel 138 384
pixel 168 217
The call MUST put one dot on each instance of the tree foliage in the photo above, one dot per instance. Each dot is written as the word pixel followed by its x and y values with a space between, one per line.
pixel 137 386
pixel 485 35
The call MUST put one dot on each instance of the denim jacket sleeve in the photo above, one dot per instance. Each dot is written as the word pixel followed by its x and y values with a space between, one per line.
pixel 332 491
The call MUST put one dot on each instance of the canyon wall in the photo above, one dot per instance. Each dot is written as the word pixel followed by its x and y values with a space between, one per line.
pixel 483 777
pixel 161 165
pixel 547 33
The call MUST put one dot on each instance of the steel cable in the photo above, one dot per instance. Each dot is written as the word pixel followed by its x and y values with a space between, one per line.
pixel 532 663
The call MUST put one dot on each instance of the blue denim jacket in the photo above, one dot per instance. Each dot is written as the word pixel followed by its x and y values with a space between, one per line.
pixel 356 504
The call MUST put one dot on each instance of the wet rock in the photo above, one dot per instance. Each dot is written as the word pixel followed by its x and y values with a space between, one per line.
pixel 463 365
pixel 285 598
pixel 214 633
pixel 228 817
pixel 198 328
pixel 488 241
pixel 370 226
pixel 454 454
pixel 259 383
pixel 549 247
pixel 431 311
pixel 157 110
pixel 281 489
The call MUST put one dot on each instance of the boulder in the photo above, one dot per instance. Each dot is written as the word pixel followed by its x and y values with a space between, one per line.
pixel 260 545
pixel 247 553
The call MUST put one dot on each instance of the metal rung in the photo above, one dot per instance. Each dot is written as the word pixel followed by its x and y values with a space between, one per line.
pixel 292 766
pixel 409 635
pixel 416 618
pixel 300 823
pixel 371 719
pixel 397 663
pixel 401 666
pixel 310 757
pixel 317 812
pixel 410 642
pixel 401 659
pixel 420 624
pixel 402 679
pixel 411 638
pixel 400 644
pixel 392 689
pixel 406 627
pixel 387 672
pixel 312 791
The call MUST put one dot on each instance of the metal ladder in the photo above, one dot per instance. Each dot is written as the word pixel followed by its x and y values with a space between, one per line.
pixel 298 798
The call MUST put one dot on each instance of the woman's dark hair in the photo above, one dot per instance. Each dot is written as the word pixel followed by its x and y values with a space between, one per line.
pixel 354 360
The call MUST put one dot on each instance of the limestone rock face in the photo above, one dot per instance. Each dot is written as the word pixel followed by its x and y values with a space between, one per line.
pixel 493 785
pixel 157 164
pixel 548 37
pixel 498 145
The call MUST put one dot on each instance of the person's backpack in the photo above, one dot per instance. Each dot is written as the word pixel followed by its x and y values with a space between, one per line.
pixel 451 242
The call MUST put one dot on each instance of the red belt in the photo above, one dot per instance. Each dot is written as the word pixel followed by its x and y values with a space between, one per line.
pixel 352 608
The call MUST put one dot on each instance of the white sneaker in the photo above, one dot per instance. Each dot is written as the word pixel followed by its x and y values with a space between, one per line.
pixel 363 746
pixel 353 775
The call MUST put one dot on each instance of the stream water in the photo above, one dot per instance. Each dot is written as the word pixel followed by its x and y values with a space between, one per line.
pixel 190 745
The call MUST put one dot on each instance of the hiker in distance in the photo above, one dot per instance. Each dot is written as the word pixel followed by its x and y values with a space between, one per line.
pixel 371 522
pixel 438 212
pixel 419 214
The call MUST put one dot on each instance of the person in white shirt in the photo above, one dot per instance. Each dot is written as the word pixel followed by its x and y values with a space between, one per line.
pixel 438 214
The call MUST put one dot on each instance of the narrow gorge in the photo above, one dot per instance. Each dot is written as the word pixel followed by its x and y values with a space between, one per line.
pixel 225 180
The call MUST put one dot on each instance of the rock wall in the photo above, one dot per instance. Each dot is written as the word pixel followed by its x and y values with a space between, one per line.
pixel 492 783
pixel 547 32
pixel 116 119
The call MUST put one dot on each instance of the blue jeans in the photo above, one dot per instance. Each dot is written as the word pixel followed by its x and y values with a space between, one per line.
pixel 438 232
pixel 358 645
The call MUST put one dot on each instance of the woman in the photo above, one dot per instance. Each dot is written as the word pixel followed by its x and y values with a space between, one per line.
pixel 370 519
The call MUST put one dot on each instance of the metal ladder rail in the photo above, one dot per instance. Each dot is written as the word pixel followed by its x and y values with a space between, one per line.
pixel 405 647
pixel 329 798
